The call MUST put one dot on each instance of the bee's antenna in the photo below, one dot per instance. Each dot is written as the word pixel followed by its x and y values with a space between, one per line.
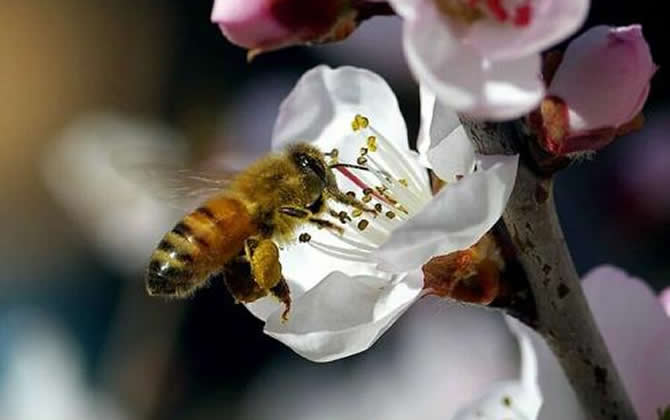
pixel 364 168
pixel 348 165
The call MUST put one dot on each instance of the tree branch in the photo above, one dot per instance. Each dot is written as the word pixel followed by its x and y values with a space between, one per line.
pixel 562 315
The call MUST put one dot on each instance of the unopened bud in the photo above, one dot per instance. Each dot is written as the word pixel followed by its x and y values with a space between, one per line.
pixel 265 25
pixel 596 92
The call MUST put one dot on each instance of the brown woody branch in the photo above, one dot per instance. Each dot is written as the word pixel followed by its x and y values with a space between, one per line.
pixel 558 309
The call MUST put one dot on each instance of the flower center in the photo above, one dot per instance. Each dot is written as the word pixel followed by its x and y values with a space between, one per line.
pixel 515 12
pixel 384 179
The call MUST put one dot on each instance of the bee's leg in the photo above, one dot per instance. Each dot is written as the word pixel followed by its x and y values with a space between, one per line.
pixel 240 282
pixel 263 257
pixel 343 198
pixel 325 224
pixel 307 216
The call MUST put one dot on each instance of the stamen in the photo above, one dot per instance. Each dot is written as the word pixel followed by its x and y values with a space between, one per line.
pixel 359 122
pixel 353 242
pixel 396 158
pixel 353 178
pixel 364 168
pixel 304 237
pixel 338 252
pixel 372 143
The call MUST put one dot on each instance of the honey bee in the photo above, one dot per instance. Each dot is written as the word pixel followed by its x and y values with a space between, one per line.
pixel 237 231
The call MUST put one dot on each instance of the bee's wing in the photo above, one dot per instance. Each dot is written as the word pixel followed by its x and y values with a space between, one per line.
pixel 171 180
pixel 180 187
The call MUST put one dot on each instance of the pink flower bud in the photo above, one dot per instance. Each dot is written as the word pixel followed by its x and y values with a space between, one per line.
pixel 263 25
pixel 599 88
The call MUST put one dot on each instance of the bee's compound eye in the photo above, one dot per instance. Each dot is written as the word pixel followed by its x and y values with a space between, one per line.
pixel 303 160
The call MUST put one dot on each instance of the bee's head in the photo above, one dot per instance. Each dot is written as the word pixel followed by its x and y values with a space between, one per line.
pixel 311 162
pixel 319 177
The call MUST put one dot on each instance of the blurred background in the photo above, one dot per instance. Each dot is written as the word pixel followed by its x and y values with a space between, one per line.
pixel 78 337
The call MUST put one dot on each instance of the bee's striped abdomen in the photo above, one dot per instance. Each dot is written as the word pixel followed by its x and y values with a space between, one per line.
pixel 198 246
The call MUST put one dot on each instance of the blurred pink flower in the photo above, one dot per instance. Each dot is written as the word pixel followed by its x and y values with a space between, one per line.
pixel 600 86
pixel 263 25
pixel 637 333
pixel 482 58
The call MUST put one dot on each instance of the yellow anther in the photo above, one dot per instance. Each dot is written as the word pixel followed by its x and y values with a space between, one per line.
pixel 403 182
pixel 372 143
pixel 357 212
pixel 359 122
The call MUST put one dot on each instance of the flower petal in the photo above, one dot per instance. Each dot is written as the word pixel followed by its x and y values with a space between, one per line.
pixel 463 79
pixel 551 22
pixel 637 333
pixel 343 315
pixel 560 401
pixel 456 218
pixel 424 140
pixel 321 264
pixel 453 157
pixel 519 399
pixel 437 123
pixel 324 102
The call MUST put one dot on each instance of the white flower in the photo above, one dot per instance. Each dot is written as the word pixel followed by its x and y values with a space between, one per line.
pixel 482 58
pixel 347 290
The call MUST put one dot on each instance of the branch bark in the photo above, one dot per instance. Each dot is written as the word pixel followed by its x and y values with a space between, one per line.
pixel 562 315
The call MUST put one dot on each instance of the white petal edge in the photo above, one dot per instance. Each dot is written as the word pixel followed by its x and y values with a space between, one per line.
pixel 453 157
pixel 438 122
pixel 323 103
pixel 343 315
pixel 456 218
pixel 424 140
pixel 514 400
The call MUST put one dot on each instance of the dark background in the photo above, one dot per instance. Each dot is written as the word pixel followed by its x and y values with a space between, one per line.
pixel 165 61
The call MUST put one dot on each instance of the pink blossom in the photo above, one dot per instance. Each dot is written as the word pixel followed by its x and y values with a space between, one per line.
pixel 599 87
pixel 637 332
pixel 263 25
pixel 482 57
